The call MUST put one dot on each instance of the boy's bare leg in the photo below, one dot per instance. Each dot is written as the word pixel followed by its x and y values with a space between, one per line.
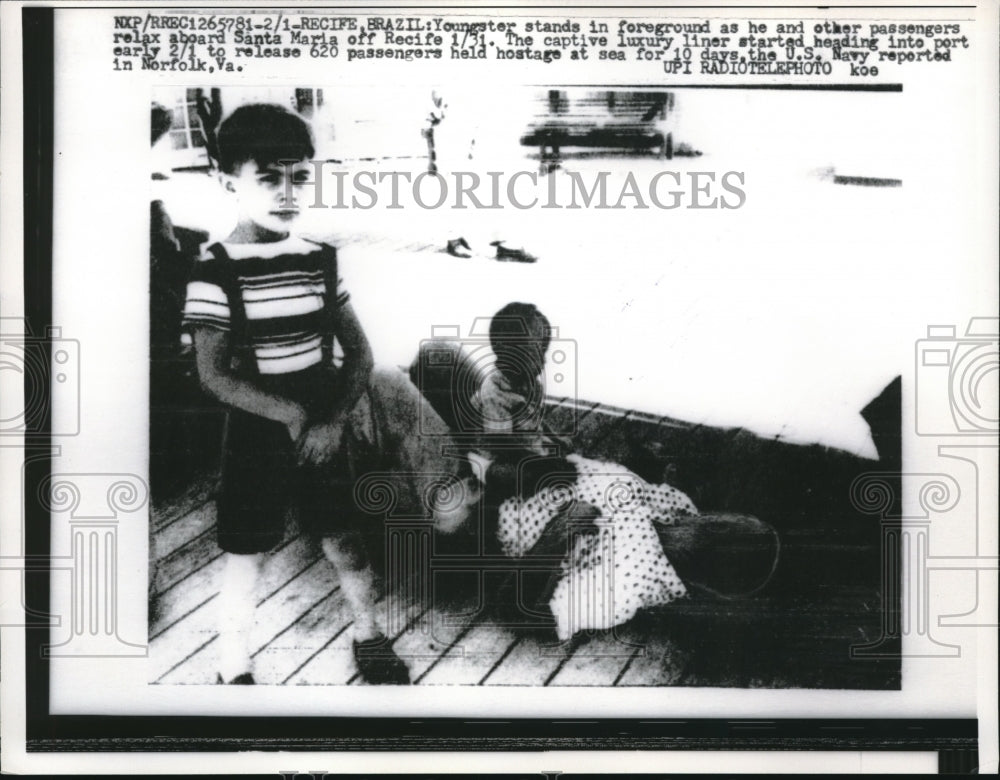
pixel 347 554
pixel 377 662
pixel 237 602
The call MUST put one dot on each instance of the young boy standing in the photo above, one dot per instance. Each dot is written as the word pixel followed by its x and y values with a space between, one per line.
pixel 264 307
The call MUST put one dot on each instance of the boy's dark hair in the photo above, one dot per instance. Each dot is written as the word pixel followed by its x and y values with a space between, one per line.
pixel 159 122
pixel 520 335
pixel 265 133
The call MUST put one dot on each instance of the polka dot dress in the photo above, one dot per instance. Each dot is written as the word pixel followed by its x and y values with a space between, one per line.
pixel 610 575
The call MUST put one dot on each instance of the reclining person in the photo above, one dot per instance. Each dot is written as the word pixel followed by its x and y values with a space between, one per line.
pixel 624 544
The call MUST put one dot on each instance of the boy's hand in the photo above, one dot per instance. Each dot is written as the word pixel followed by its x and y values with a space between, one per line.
pixel 319 443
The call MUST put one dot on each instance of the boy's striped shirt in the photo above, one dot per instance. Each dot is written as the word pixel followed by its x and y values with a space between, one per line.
pixel 281 291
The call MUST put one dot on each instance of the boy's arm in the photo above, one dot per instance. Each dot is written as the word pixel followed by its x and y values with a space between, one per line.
pixel 358 363
pixel 212 356
pixel 322 438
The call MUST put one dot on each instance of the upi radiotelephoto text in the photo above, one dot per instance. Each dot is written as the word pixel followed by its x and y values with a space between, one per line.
pixel 709 48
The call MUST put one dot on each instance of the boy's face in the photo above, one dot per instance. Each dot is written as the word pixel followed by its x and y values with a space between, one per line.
pixel 263 192
pixel 520 362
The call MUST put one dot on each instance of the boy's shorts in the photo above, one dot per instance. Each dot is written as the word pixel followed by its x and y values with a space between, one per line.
pixel 261 480
pixel 392 433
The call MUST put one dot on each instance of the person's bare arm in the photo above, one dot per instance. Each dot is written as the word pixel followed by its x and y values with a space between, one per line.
pixel 212 356
pixel 358 363
pixel 322 439
pixel 497 415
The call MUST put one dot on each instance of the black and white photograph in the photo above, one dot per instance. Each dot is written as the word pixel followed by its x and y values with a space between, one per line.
pixel 533 496
pixel 415 389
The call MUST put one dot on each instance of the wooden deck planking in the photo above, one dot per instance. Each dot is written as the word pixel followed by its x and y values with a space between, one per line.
pixel 175 603
pixel 196 495
pixel 430 637
pixel 170 602
pixel 173 536
pixel 184 639
pixel 312 589
pixel 637 441
pixel 599 660
pixel 595 425
pixel 529 662
pixel 304 638
pixel 659 661
pixel 203 583
pixel 470 659
pixel 565 415
pixel 276 611
pixel 186 560
pixel 333 662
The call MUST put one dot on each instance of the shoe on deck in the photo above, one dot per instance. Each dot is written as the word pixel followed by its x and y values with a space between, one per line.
pixel 459 247
pixel 241 679
pixel 517 255
pixel 378 663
